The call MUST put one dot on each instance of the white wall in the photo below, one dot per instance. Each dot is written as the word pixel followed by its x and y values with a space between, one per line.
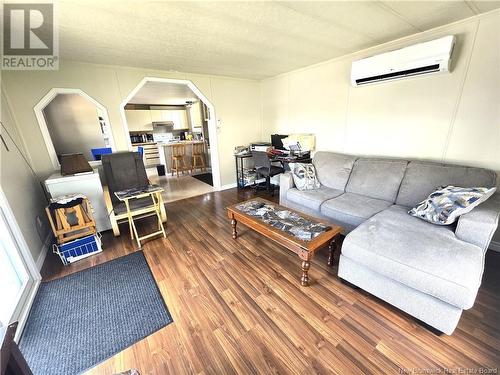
pixel 21 187
pixel 237 104
pixel 451 117
pixel 73 124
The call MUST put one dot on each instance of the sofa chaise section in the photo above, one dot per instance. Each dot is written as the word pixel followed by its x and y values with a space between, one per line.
pixel 421 255
pixel 429 271
pixel 402 259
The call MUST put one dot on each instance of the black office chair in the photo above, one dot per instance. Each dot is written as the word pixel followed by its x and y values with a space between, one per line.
pixel 264 168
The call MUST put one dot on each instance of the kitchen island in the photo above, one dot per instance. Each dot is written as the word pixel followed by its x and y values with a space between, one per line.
pixel 165 151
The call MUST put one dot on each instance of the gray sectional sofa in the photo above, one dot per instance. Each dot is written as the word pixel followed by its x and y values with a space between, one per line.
pixel 429 271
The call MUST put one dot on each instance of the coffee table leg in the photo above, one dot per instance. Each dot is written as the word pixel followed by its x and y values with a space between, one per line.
pixel 332 247
pixel 304 280
pixel 233 225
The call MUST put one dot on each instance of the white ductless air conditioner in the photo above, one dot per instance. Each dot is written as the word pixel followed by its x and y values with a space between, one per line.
pixel 420 59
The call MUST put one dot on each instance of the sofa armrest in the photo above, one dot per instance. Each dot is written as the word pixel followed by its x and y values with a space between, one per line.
pixel 478 226
pixel 286 183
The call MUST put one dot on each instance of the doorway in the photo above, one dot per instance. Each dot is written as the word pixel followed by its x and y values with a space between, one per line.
pixel 72 121
pixel 170 122
pixel 19 278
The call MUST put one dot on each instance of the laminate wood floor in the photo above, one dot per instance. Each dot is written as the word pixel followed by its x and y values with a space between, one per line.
pixel 238 308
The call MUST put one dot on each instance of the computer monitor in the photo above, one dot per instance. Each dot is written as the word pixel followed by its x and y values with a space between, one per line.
pixel 276 141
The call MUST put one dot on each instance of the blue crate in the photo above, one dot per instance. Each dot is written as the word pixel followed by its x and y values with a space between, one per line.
pixel 98 152
pixel 78 249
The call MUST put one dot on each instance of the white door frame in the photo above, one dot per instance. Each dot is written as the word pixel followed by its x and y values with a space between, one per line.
pixel 212 123
pixel 47 98
pixel 26 258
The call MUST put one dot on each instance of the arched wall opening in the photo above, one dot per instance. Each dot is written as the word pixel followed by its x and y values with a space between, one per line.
pixel 212 128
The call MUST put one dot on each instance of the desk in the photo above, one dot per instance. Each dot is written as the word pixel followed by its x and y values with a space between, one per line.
pixel 287 159
pixel 245 175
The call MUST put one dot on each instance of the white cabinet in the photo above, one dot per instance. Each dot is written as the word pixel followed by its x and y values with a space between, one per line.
pixel 177 116
pixel 139 120
pixel 161 115
pixel 151 156
pixel 88 184
pixel 195 113
pixel 180 119
pixel 156 115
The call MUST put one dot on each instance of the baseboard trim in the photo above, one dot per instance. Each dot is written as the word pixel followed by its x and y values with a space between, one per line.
pixel 43 252
pixel 228 186
pixel 495 246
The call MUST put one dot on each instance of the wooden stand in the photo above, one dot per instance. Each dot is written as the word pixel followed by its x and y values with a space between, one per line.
pixel 154 209
pixel 61 226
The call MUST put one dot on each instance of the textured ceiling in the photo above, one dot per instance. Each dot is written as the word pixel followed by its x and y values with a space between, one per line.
pixel 242 39
pixel 163 93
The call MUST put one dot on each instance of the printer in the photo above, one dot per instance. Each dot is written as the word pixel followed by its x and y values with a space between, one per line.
pixel 260 146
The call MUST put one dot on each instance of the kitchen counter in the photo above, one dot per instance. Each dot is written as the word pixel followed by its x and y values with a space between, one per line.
pixel 143 144
pixel 179 143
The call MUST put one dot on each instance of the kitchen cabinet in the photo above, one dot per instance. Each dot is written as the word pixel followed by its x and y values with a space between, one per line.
pixel 157 115
pixel 195 113
pixel 150 156
pixel 177 116
pixel 139 120
pixel 180 119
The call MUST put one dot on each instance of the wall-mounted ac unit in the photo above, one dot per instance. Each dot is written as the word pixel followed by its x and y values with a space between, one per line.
pixel 419 59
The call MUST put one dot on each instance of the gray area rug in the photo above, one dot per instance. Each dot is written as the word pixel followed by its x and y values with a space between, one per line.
pixel 82 319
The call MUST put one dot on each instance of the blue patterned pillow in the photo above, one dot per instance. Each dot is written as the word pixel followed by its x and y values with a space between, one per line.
pixel 446 204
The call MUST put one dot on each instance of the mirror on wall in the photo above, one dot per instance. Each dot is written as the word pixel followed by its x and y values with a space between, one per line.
pixel 73 122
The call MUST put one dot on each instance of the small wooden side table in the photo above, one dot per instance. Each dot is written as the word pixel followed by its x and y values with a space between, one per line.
pixel 151 191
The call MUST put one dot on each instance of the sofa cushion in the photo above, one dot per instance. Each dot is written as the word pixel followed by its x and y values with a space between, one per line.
pixel 333 169
pixel 426 257
pixel 377 178
pixel 312 198
pixel 422 178
pixel 352 209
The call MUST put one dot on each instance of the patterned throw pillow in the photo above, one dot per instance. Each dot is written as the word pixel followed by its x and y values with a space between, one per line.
pixel 304 176
pixel 446 204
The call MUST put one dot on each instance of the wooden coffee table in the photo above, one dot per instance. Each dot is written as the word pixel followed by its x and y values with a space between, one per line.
pixel 305 249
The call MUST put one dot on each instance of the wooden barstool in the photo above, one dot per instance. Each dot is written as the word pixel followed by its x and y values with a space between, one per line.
pixel 198 157
pixel 178 161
